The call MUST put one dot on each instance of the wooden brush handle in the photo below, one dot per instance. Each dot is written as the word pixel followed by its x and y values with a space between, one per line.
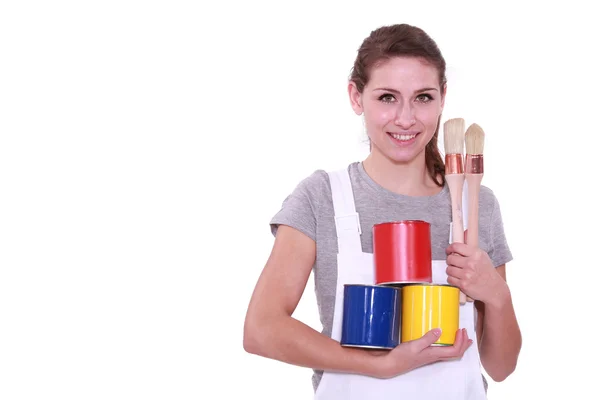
pixel 474 184
pixel 455 184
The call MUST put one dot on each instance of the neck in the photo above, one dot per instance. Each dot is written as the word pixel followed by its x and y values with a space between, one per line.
pixel 409 179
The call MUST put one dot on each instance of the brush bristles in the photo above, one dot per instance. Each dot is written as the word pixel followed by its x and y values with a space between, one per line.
pixel 454 136
pixel 474 138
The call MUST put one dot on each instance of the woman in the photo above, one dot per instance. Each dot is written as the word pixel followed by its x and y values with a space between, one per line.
pixel 398 83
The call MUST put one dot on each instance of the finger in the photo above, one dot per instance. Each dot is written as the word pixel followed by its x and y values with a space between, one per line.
pixel 455 272
pixel 454 282
pixel 449 352
pixel 465 345
pixel 428 339
pixel 466 342
pixel 455 260
pixel 461 344
pixel 460 248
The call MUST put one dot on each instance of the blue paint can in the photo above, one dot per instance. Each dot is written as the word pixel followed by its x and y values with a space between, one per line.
pixel 371 316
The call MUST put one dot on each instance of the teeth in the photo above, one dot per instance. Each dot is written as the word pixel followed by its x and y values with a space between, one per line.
pixel 402 137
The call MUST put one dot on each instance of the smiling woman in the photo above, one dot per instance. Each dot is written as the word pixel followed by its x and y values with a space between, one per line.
pixel 398 84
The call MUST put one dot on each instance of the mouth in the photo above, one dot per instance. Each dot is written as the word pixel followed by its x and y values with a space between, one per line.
pixel 403 138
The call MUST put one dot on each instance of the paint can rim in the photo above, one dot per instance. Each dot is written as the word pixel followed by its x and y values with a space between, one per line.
pixel 403 222
pixel 371 347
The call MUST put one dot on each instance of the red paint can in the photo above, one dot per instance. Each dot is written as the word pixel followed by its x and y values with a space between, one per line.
pixel 402 252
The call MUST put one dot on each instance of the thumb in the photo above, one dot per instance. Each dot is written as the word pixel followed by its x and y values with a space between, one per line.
pixel 429 338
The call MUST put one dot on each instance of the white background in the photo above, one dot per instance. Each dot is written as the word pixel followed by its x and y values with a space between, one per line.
pixel 145 146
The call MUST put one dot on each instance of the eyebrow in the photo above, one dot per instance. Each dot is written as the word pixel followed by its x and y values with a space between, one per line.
pixel 395 91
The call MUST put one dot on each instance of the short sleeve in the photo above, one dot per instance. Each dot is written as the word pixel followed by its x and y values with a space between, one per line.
pixel 500 252
pixel 299 209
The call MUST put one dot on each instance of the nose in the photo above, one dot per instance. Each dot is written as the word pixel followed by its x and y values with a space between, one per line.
pixel 405 115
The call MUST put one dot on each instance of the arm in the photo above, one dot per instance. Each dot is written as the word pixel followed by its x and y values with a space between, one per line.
pixel 498 333
pixel 271 331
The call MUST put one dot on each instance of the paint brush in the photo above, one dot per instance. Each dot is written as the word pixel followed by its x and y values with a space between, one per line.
pixel 454 140
pixel 474 138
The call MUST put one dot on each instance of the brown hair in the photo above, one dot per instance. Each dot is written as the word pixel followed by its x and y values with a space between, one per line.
pixel 409 41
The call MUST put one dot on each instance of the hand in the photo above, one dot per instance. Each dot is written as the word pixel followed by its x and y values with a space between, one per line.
pixel 471 270
pixel 410 355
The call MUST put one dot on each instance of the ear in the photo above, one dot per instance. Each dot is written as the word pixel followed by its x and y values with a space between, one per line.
pixel 355 98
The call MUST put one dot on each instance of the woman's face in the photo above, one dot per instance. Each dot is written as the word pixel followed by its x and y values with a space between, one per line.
pixel 402 104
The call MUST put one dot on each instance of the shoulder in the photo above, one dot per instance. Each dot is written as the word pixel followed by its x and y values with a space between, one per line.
pixel 317 185
pixel 313 187
pixel 489 205
pixel 487 197
pixel 308 204
pixel 493 233
pixel 315 181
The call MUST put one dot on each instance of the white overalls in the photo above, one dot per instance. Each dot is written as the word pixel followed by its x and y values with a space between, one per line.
pixel 445 380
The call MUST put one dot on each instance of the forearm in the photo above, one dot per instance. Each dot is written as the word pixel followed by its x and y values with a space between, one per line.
pixel 289 340
pixel 501 338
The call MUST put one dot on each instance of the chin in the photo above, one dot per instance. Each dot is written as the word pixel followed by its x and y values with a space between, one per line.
pixel 403 156
pixel 403 159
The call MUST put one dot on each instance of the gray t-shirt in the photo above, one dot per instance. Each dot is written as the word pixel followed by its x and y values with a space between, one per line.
pixel 309 209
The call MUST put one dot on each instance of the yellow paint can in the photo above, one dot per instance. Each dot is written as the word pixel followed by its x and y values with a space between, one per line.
pixel 430 306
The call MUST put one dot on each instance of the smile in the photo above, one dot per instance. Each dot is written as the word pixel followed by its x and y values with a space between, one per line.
pixel 403 137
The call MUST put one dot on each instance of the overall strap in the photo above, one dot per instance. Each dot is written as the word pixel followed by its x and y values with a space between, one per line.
pixel 347 224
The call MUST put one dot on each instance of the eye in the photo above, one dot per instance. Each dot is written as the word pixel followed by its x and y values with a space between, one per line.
pixel 387 98
pixel 424 98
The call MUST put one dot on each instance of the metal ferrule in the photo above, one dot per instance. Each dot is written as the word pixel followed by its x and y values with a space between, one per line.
pixel 454 164
pixel 474 164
